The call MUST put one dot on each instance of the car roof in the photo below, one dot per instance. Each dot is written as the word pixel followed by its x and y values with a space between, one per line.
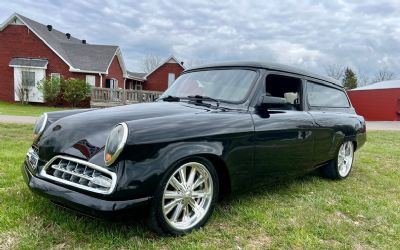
pixel 269 66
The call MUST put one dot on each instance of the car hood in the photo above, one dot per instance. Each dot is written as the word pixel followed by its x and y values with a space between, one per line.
pixel 84 134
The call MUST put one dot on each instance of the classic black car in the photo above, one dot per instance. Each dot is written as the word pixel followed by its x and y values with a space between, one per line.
pixel 218 129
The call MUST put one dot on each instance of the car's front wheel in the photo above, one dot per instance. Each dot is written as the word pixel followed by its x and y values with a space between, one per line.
pixel 340 167
pixel 185 197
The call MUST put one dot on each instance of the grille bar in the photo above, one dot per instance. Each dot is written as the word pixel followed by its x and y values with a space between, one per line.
pixel 80 174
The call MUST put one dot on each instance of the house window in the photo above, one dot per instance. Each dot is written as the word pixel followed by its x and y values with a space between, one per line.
pixel 114 83
pixel 28 79
pixel 138 86
pixel 91 80
pixel 171 78
pixel 55 75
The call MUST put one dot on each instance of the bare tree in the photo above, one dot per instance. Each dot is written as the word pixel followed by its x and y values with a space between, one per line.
pixel 150 62
pixel 335 71
pixel 384 75
pixel 363 78
pixel 23 86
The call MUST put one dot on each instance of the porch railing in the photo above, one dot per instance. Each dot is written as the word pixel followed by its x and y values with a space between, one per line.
pixel 123 96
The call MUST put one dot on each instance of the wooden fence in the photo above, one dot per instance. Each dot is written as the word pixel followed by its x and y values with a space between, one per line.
pixel 114 97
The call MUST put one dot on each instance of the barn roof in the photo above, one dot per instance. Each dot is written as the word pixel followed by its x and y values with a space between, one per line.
pixel 76 53
pixel 393 84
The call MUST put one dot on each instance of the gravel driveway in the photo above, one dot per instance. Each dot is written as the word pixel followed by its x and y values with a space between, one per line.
pixel 17 119
pixel 394 126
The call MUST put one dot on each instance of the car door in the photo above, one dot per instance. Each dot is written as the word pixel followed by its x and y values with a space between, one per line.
pixel 334 119
pixel 284 142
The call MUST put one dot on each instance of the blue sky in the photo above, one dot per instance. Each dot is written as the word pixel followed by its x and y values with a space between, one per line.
pixel 364 35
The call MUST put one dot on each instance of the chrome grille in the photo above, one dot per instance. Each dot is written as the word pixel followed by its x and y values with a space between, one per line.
pixel 80 174
pixel 35 148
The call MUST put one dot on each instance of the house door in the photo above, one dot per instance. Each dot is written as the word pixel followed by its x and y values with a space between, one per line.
pixel 111 83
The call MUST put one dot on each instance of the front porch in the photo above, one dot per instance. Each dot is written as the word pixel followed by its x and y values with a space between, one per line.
pixel 105 97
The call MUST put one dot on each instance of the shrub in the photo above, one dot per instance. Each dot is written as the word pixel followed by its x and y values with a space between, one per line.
pixel 75 91
pixel 50 88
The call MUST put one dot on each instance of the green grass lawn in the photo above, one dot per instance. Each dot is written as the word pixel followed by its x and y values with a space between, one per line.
pixel 28 110
pixel 361 212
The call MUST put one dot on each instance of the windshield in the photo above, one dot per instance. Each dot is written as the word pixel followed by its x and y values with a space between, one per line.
pixel 230 85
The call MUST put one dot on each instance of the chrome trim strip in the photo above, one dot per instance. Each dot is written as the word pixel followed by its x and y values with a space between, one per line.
pixel 44 124
pixel 77 185
pixel 41 130
pixel 120 146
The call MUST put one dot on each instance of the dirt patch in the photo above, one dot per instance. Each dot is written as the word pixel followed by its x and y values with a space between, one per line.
pixel 343 217
pixel 261 242
pixel 8 241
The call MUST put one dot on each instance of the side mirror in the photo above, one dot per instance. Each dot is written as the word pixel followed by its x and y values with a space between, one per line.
pixel 268 101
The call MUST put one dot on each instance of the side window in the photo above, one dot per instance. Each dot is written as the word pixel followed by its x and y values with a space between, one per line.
pixel 323 96
pixel 287 88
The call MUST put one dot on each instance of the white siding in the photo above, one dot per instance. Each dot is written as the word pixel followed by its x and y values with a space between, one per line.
pixel 34 94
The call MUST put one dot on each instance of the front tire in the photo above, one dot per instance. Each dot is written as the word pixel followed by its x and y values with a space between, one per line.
pixel 185 198
pixel 340 167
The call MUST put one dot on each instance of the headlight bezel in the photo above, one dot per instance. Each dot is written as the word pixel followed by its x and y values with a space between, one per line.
pixel 121 144
pixel 42 126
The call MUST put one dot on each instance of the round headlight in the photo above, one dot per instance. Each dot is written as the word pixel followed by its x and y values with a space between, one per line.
pixel 115 143
pixel 39 126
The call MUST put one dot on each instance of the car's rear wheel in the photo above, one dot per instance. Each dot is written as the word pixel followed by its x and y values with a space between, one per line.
pixel 185 198
pixel 340 167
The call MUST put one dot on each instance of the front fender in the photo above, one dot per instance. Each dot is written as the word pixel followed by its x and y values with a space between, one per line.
pixel 154 144
pixel 141 177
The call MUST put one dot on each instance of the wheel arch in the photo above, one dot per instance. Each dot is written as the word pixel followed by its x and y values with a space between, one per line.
pixel 223 173
pixel 162 159
pixel 220 167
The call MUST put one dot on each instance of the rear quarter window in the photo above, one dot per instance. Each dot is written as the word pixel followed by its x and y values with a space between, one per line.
pixel 323 96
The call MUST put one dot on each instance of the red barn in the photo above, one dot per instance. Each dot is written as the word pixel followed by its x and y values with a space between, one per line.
pixel 377 102
pixel 30 51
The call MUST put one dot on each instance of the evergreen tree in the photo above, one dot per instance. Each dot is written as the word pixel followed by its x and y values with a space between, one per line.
pixel 349 79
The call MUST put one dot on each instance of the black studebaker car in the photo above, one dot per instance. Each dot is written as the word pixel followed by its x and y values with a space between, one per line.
pixel 218 129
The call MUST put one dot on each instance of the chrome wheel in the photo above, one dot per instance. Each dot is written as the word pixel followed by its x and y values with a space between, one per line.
pixel 345 158
pixel 187 196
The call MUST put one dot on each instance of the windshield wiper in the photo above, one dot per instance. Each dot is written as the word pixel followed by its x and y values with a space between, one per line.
pixel 171 98
pixel 200 99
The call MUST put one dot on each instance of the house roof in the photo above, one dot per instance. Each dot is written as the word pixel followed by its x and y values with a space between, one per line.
pixel 392 84
pixel 29 62
pixel 136 75
pixel 80 57
pixel 170 59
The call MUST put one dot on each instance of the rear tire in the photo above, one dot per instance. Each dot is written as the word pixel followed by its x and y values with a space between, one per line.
pixel 340 167
pixel 185 198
